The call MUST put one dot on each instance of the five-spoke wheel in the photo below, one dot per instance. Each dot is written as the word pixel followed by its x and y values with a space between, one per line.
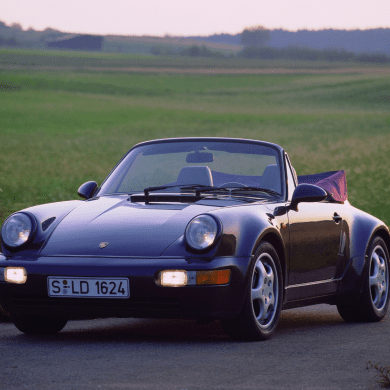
pixel 379 277
pixel 264 290
pixel 374 301
pixel 260 313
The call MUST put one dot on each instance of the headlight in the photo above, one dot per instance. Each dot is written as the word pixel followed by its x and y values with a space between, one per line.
pixel 201 232
pixel 16 230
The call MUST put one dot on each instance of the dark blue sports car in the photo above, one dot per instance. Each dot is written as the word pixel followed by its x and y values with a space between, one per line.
pixel 202 228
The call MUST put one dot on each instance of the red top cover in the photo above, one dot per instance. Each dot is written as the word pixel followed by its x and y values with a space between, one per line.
pixel 333 182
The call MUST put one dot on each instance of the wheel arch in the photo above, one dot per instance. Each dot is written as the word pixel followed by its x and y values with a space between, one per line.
pixel 276 241
pixel 362 229
pixel 384 235
pixel 352 282
pixel 361 305
pixel 378 232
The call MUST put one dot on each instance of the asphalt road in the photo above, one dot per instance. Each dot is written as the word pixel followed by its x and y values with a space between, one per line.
pixel 313 349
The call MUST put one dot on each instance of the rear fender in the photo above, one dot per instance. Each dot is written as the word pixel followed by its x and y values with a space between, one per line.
pixel 363 229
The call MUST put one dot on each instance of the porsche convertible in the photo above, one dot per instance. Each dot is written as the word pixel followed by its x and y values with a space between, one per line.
pixel 198 228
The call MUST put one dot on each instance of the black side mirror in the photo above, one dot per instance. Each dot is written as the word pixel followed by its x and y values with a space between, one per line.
pixel 87 189
pixel 307 193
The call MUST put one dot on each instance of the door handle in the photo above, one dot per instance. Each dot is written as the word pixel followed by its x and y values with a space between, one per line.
pixel 337 218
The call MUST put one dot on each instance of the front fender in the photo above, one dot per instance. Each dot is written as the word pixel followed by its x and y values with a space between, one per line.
pixel 241 233
pixel 47 216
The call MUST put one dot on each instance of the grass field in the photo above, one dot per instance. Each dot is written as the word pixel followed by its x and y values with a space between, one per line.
pixel 109 62
pixel 60 128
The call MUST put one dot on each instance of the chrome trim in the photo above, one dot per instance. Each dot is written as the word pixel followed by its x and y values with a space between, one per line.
pixel 313 283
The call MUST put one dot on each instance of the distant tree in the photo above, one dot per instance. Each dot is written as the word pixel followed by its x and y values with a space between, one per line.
pixel 378 58
pixel 200 51
pixel 193 51
pixel 50 30
pixel 16 26
pixel 256 36
pixel 50 33
pixel 8 42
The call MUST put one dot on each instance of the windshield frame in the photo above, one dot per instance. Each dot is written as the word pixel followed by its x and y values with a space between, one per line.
pixel 279 153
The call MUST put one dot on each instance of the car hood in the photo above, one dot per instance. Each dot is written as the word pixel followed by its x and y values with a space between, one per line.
pixel 128 229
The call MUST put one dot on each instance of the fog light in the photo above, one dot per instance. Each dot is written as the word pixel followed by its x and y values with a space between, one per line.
pixel 173 278
pixel 15 275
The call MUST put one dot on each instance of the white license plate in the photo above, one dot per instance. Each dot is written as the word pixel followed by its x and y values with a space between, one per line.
pixel 59 286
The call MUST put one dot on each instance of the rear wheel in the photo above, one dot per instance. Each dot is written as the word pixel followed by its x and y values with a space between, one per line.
pixel 374 301
pixel 34 324
pixel 260 314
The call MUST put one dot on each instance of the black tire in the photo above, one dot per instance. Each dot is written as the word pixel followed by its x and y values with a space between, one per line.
pixel 260 313
pixel 374 301
pixel 34 324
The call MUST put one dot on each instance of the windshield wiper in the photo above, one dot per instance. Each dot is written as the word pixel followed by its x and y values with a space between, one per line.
pixel 202 188
pixel 199 188
pixel 237 189
pixel 173 197
pixel 195 187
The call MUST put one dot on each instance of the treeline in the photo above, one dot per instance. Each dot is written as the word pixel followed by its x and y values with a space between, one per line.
pixel 190 51
pixel 359 41
pixel 15 36
pixel 271 53
pixel 9 42
pixel 256 42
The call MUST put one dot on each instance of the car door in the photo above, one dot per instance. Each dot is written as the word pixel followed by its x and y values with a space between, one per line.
pixel 315 236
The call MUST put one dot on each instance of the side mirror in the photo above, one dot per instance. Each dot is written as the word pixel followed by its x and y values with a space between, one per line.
pixel 87 189
pixel 307 193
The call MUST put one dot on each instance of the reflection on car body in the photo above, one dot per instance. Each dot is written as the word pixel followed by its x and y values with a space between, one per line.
pixel 204 228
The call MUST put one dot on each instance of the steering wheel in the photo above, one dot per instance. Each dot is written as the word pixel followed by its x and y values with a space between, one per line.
pixel 232 184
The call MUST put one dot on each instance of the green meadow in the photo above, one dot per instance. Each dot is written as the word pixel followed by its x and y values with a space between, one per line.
pixel 60 128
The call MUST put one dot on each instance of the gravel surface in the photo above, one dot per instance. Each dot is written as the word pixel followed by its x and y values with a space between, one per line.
pixel 312 349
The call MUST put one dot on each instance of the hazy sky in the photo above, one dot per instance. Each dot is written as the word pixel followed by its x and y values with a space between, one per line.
pixel 193 17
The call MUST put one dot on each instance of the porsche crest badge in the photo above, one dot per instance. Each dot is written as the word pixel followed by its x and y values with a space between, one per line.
pixel 103 245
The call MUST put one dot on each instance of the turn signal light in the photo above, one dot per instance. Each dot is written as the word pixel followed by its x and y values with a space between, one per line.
pixel 180 278
pixel 213 277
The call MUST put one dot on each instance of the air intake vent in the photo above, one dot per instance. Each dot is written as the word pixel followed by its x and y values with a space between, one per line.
pixel 47 223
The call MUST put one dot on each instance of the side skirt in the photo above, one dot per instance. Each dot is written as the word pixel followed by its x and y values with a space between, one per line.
pixel 322 291
pixel 328 299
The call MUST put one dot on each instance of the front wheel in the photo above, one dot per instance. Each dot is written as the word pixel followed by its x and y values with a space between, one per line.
pixel 374 301
pixel 37 324
pixel 259 316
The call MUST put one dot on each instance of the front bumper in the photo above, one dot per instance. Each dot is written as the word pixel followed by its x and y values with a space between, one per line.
pixel 147 298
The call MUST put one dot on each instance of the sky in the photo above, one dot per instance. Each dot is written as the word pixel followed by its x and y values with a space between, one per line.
pixel 193 17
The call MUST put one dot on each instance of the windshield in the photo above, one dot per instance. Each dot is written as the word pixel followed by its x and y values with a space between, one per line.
pixel 234 164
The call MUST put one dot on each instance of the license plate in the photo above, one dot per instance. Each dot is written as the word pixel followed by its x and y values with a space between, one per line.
pixel 88 287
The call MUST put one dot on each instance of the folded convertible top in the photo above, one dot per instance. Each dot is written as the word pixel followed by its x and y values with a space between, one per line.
pixel 333 182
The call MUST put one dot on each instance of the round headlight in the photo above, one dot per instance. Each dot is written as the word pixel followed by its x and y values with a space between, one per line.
pixel 16 230
pixel 201 232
